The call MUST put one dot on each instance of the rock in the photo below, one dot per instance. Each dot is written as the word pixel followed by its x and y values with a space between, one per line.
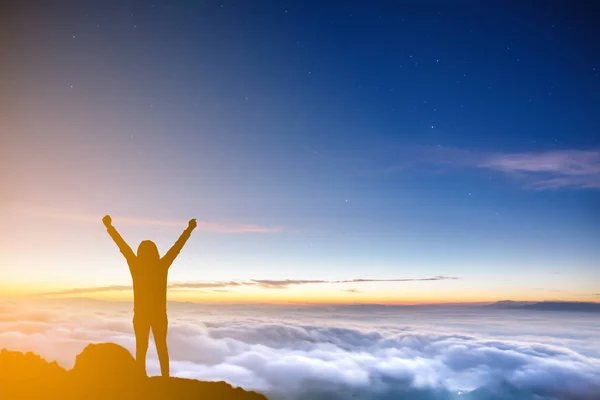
pixel 101 371
pixel 105 362
pixel 28 376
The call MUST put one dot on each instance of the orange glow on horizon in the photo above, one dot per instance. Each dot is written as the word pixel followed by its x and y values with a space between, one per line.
pixel 282 296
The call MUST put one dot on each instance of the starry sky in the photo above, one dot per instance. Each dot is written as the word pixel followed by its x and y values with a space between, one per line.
pixel 370 152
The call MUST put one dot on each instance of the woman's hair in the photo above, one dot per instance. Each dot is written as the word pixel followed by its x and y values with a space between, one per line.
pixel 148 251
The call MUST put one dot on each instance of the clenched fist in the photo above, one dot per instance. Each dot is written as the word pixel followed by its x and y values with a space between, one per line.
pixel 192 224
pixel 107 220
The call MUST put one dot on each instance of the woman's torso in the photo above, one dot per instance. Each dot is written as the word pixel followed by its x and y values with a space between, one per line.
pixel 149 287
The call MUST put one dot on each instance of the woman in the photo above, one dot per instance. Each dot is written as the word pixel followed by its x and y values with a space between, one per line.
pixel 149 272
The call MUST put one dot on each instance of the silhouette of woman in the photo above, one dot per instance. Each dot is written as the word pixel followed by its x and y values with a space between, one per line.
pixel 149 273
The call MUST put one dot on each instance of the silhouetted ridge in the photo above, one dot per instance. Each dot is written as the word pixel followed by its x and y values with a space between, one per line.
pixel 28 376
pixel 101 371
pixel 547 305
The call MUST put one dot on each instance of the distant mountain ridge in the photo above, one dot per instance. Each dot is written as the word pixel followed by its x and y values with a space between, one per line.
pixel 577 306
pixel 101 371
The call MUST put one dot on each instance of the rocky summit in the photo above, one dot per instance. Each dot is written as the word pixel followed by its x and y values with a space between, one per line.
pixel 101 371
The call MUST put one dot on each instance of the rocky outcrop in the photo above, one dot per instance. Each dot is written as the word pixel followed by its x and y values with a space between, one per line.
pixel 101 371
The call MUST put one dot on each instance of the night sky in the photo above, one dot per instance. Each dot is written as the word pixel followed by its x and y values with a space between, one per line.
pixel 313 141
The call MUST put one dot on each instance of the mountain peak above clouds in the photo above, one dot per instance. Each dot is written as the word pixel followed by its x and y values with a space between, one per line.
pixel 101 371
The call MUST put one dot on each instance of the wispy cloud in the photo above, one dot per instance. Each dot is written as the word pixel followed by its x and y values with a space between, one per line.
pixel 542 170
pixel 434 278
pixel 276 284
pixel 94 289
pixel 352 291
pixel 538 289
pixel 552 169
pixel 207 226
pixel 206 285
pixel 215 286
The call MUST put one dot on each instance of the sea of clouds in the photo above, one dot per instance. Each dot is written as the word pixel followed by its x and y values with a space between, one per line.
pixel 359 352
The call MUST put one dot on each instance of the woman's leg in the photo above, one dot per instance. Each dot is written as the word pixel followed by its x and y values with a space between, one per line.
pixel 159 330
pixel 141 327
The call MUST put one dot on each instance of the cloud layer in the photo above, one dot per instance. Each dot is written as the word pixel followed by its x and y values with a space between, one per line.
pixel 318 353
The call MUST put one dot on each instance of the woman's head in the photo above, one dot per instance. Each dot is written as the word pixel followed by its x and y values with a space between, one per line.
pixel 147 251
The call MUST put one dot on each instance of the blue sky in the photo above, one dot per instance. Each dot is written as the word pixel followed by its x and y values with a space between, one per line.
pixel 376 140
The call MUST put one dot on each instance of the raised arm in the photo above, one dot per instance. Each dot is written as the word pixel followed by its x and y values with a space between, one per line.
pixel 174 251
pixel 123 246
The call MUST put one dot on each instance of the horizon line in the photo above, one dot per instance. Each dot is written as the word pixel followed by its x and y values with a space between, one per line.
pixel 304 303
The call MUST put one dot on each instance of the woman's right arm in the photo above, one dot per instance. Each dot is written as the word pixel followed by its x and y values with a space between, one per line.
pixel 122 244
